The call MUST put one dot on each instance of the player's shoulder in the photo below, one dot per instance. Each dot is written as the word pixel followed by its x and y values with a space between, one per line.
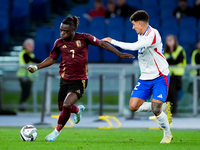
pixel 58 40
pixel 151 32
pixel 83 35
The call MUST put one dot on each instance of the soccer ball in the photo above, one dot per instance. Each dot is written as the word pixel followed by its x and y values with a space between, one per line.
pixel 28 133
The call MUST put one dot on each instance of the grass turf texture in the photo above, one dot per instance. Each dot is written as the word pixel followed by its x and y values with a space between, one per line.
pixel 94 139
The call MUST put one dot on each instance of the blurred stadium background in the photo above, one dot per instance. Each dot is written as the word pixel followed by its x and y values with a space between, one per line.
pixel 40 20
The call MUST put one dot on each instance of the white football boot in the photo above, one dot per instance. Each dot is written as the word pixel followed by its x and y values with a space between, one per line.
pixel 166 108
pixel 167 138
pixel 78 116
pixel 52 136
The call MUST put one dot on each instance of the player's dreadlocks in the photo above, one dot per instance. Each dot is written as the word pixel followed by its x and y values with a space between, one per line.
pixel 72 21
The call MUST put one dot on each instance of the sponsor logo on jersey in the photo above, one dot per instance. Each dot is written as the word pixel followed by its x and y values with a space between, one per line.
pixel 64 46
pixel 78 43
pixel 160 96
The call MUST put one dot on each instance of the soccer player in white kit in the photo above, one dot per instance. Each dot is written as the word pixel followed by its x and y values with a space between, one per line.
pixel 154 79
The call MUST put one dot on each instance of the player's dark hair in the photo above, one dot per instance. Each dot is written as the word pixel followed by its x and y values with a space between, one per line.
pixel 166 47
pixel 72 21
pixel 140 15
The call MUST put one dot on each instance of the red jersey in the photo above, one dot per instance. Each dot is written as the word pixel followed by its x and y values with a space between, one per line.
pixel 74 55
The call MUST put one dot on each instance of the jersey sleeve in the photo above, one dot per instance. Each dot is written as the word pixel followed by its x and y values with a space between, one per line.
pixel 91 39
pixel 143 42
pixel 55 52
pixel 129 46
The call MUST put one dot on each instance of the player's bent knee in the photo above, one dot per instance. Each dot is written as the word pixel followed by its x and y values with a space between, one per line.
pixel 156 111
pixel 133 108
pixel 67 104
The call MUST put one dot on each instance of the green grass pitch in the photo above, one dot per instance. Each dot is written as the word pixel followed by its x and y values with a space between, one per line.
pixel 95 139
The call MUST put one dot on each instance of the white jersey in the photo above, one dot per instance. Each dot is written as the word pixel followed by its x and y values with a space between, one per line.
pixel 151 60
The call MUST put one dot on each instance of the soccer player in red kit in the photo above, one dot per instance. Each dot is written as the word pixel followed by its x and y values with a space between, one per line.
pixel 73 48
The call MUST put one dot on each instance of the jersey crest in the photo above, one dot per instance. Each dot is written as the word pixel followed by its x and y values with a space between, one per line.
pixel 78 43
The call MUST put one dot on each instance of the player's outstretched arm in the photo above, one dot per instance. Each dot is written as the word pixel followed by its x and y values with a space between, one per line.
pixel 110 48
pixel 128 46
pixel 47 62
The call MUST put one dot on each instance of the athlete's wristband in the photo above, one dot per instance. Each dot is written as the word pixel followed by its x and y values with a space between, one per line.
pixel 35 68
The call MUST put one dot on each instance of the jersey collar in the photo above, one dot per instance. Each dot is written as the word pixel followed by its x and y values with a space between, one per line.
pixel 146 30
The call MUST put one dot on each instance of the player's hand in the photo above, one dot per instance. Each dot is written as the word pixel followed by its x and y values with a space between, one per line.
pixel 107 39
pixel 126 56
pixel 32 68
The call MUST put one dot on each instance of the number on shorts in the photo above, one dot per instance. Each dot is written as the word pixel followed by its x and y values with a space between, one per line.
pixel 138 84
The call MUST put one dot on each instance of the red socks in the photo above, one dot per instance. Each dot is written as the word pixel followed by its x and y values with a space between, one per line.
pixel 65 115
pixel 74 109
pixel 63 118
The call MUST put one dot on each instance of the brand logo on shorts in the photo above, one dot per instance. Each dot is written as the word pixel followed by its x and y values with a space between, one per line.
pixel 160 96
pixel 78 91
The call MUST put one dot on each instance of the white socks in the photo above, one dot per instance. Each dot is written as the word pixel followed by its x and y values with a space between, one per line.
pixel 163 121
pixel 145 107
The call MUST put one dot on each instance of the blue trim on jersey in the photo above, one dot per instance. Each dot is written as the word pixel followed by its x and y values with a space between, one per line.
pixel 146 30
pixel 158 87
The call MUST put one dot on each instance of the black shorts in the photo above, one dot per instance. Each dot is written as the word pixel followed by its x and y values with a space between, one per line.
pixel 75 86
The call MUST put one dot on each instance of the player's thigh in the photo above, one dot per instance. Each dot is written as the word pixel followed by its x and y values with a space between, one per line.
pixel 70 99
pixel 63 90
pixel 78 87
pixel 135 103
pixel 142 90
pixel 161 88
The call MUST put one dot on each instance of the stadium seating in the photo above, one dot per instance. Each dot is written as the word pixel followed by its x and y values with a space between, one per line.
pixel 4 27
pixel 149 3
pixel 41 50
pixel 198 29
pixel 130 36
pixel 191 3
pixel 83 25
pixel 115 30
pixel 152 11
pixel 188 23
pixel 155 23
pixel 169 25
pixel 94 54
pixel 79 11
pixel 90 5
pixel 168 4
pixel 5 5
pixel 40 10
pixel 97 27
pixel 15 18
pixel 166 12
pixel 44 34
pixel 56 26
pixel 136 3
pixel 187 37
pixel 166 31
pixel 20 17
